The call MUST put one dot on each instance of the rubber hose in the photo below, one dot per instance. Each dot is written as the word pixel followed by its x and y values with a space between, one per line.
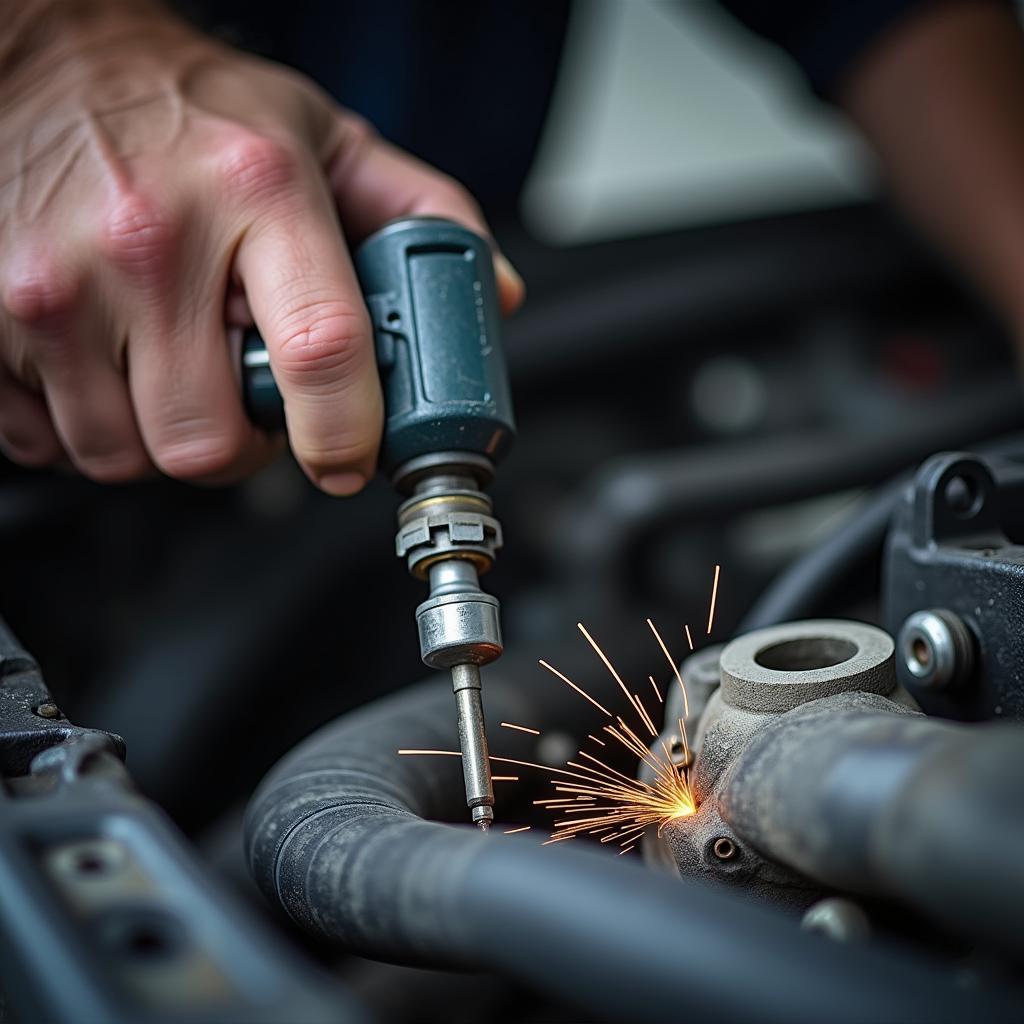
pixel 915 809
pixel 335 836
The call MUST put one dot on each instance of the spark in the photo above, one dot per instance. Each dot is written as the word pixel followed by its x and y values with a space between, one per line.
pixel 581 692
pixel 714 597
pixel 657 692
pixel 591 797
pixel 611 668
pixel 672 664
pixel 520 728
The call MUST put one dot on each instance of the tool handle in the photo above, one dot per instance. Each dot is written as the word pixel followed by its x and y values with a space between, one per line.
pixel 433 301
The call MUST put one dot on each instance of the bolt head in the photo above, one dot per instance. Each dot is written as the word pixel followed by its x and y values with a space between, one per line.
pixel 935 648
pixel 48 710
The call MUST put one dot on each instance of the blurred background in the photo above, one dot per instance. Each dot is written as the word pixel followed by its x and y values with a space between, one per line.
pixel 728 336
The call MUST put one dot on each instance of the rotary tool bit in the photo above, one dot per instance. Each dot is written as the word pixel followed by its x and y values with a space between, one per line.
pixel 429 287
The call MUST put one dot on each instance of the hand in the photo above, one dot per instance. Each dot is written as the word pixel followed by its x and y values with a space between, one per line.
pixel 156 189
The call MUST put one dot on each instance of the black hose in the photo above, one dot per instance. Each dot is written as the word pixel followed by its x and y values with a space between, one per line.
pixel 915 809
pixel 827 570
pixel 335 836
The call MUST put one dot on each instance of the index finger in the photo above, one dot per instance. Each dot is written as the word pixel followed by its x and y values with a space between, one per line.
pixel 304 296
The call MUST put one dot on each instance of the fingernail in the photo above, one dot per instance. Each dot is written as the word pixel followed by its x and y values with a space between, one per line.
pixel 503 268
pixel 341 485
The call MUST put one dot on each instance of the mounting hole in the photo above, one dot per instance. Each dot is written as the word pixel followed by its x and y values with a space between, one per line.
pixel 88 860
pixel 723 848
pixel 806 653
pixel 921 651
pixel 142 935
pixel 963 496
pixel 394 318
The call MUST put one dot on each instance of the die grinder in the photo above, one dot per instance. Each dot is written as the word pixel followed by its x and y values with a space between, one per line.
pixel 430 290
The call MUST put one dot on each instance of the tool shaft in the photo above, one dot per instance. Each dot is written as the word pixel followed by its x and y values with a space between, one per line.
pixel 476 765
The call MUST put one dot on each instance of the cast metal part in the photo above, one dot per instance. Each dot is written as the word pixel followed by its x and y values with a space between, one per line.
pixel 763 675
pixel 936 648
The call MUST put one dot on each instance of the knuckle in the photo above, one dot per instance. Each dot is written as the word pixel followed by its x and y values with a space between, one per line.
pixel 194 455
pixel 255 167
pixel 321 340
pixel 137 237
pixel 37 293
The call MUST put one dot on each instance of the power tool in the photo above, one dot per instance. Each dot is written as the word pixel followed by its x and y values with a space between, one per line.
pixel 430 290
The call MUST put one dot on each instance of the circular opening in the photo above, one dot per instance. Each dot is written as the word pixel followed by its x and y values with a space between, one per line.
pixel 724 848
pixel 141 934
pixel 921 652
pixel 963 497
pixel 806 653
pixel 91 864
pixel 394 317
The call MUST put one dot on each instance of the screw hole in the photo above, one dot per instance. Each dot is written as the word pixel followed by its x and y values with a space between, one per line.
pixel 394 318
pixel 921 651
pixel 142 935
pixel 724 848
pixel 963 497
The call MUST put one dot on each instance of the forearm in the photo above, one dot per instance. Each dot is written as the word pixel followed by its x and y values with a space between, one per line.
pixel 941 98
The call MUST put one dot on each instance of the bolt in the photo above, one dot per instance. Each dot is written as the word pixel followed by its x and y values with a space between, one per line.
pixel 48 710
pixel 724 848
pixel 936 648
pixel 838 919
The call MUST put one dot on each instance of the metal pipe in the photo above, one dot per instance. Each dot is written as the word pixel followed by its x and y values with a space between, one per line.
pixel 916 809
pixel 335 836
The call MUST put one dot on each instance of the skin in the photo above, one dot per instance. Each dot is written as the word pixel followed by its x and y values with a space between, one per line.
pixel 157 190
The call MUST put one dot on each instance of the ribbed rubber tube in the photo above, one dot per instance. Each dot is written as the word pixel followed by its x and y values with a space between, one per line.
pixel 335 835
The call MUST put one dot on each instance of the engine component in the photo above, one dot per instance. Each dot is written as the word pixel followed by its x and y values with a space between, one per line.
pixel 815 769
pixel 106 915
pixel 953 585
pixel 936 649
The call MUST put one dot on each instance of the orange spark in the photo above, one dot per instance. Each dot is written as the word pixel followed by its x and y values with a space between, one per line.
pixel 673 665
pixel 513 831
pixel 657 692
pixel 611 668
pixel 582 693
pixel 591 736
pixel 714 597
pixel 504 778
pixel 689 639
pixel 521 728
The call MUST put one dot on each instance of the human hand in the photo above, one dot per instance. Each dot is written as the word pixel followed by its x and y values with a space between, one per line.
pixel 157 189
